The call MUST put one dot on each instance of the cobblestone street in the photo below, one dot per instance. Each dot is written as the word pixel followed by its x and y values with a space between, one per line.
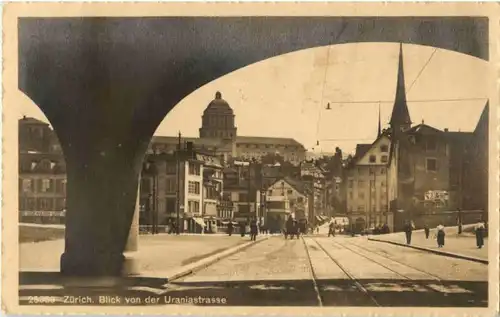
pixel 345 271
pixel 311 271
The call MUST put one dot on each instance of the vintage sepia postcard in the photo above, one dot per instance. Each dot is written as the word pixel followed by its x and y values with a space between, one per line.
pixel 251 159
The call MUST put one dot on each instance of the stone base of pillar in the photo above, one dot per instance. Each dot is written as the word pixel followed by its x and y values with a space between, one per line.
pixel 92 264
pixel 120 265
pixel 131 265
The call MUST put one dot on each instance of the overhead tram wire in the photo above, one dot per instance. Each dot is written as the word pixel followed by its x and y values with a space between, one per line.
pixel 418 100
pixel 421 71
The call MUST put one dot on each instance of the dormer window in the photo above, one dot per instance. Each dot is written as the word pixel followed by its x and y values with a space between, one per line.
pixel 384 148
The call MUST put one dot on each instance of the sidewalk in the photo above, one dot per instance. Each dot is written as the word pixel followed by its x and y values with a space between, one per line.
pixel 156 253
pixel 463 246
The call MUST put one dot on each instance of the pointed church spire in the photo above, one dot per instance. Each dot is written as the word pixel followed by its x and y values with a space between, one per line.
pixel 379 132
pixel 400 115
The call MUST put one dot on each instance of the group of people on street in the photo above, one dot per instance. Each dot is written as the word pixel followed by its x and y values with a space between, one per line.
pixel 479 230
pixel 254 229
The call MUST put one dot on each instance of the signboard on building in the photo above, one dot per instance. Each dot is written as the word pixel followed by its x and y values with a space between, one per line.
pixel 434 195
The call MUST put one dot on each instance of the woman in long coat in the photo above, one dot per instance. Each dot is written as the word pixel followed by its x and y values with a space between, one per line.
pixel 479 235
pixel 440 236
pixel 254 230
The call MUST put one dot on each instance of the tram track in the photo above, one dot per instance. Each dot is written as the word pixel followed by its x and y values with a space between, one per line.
pixel 351 277
pixel 436 278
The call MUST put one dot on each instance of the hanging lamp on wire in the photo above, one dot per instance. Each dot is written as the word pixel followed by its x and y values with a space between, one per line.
pixel 323 95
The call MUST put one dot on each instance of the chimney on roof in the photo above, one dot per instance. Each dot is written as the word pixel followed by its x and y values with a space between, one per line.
pixel 445 129
pixel 422 121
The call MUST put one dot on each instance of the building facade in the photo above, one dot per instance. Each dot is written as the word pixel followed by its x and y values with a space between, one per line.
pixel 367 184
pixel 191 186
pixel 42 174
pixel 294 199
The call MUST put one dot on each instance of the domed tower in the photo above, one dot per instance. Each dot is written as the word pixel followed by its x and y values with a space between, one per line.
pixel 217 120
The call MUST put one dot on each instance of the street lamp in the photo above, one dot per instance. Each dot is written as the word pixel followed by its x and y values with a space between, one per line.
pixel 262 205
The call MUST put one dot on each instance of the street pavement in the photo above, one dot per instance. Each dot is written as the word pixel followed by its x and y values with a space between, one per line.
pixel 464 244
pixel 342 272
pixel 315 270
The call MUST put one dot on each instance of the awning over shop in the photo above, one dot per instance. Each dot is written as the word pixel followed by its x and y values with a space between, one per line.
pixel 199 221
pixel 318 218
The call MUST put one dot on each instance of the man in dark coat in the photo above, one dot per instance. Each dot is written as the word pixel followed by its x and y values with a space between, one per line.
pixel 289 228
pixel 254 229
pixel 331 229
pixel 408 231
pixel 427 231
pixel 243 228
pixel 230 228
pixel 480 235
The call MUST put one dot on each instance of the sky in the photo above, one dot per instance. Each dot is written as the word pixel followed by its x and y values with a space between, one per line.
pixel 286 96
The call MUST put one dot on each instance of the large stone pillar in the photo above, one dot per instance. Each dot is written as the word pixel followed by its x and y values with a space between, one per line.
pixel 102 200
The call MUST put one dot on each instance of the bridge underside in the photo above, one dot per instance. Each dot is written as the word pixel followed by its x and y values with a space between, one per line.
pixel 105 84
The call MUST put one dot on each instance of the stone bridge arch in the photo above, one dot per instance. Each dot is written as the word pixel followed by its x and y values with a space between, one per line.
pixel 105 84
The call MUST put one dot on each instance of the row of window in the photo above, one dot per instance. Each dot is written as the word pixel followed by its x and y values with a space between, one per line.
pixel 431 165
pixel 383 159
pixel 41 204
pixel 266 146
pixel 194 187
pixel 169 206
pixel 373 208
pixel 193 207
pixel 371 170
pixel 219 134
pixel 279 192
pixel 194 169
pixel 362 195
pixel 218 121
pixel 361 184
pixel 45 185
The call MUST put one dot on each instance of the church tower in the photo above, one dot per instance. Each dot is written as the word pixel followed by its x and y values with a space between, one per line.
pixel 218 120
pixel 400 119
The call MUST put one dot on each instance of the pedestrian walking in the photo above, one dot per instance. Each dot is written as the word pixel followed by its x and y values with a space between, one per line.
pixel 427 231
pixel 331 229
pixel 242 229
pixel 230 228
pixel 254 227
pixel 479 229
pixel 408 231
pixel 440 236
pixel 289 228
